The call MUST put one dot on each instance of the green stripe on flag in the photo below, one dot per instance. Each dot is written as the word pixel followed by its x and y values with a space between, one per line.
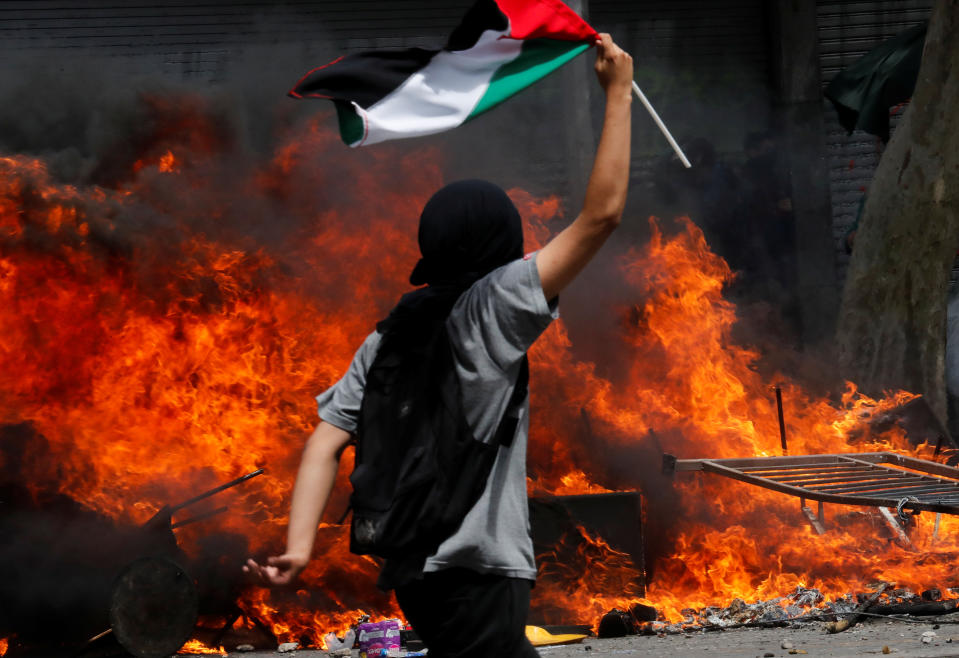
pixel 352 129
pixel 539 58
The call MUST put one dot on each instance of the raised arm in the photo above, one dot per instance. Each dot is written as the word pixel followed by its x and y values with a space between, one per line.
pixel 565 256
pixel 314 482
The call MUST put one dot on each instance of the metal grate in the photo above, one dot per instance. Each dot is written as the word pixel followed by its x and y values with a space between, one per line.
pixel 876 479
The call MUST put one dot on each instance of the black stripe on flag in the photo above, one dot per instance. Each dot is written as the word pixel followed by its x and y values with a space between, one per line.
pixel 482 16
pixel 364 77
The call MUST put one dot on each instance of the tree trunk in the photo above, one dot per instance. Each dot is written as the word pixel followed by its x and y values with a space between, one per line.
pixel 892 322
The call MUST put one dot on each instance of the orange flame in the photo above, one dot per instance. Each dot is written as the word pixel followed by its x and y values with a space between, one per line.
pixel 692 392
pixel 585 574
pixel 160 342
pixel 167 163
pixel 158 377
pixel 197 647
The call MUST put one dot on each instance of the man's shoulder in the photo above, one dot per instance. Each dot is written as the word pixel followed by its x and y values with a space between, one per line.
pixel 504 312
pixel 369 345
pixel 365 353
pixel 519 276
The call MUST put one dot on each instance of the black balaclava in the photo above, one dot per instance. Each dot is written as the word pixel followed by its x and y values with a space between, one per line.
pixel 467 229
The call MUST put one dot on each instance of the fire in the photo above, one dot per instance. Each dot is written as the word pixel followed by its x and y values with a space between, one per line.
pixel 692 392
pixel 197 647
pixel 4 645
pixel 165 330
pixel 593 579
pixel 154 367
pixel 168 163
pixel 577 482
pixel 335 606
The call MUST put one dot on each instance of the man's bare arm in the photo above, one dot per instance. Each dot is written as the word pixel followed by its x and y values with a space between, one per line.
pixel 560 261
pixel 314 482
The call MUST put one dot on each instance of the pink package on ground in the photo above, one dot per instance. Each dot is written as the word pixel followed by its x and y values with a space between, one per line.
pixel 374 637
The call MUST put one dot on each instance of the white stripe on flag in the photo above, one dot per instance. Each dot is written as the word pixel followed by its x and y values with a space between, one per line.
pixel 441 95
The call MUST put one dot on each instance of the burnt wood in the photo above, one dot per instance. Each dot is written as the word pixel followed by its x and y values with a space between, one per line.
pixel 923 608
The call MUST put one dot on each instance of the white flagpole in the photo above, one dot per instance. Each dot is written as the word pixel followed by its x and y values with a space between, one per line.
pixel 659 122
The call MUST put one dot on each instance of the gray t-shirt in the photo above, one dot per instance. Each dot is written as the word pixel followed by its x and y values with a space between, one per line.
pixel 490 327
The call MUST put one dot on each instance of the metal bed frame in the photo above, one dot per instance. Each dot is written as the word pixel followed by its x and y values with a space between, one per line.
pixel 875 479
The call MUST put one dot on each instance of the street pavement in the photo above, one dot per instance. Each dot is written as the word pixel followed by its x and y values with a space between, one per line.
pixel 875 637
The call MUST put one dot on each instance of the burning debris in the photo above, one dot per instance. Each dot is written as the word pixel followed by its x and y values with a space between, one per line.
pixel 589 550
pixel 803 606
pixel 173 306
pixel 74 572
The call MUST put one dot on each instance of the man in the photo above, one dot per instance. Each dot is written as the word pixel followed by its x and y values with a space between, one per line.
pixel 471 597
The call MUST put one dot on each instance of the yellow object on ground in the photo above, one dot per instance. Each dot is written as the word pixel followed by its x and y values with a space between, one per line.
pixel 540 637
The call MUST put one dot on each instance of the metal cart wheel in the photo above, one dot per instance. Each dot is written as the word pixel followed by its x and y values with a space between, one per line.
pixel 153 607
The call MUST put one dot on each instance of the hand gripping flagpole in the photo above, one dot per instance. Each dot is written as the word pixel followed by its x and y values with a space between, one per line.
pixel 659 122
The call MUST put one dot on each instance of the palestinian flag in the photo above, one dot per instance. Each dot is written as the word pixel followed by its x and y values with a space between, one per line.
pixel 500 48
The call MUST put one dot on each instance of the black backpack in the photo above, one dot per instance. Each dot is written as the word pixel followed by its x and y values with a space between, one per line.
pixel 418 468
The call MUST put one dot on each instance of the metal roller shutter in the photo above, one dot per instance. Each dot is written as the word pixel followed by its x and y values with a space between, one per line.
pixel 199 39
pixel 847 30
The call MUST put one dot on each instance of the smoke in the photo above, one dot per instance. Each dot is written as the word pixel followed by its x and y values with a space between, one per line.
pixel 266 174
pixel 255 171
pixel 92 119
pixel 156 171
pixel 58 559
pixel 92 123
